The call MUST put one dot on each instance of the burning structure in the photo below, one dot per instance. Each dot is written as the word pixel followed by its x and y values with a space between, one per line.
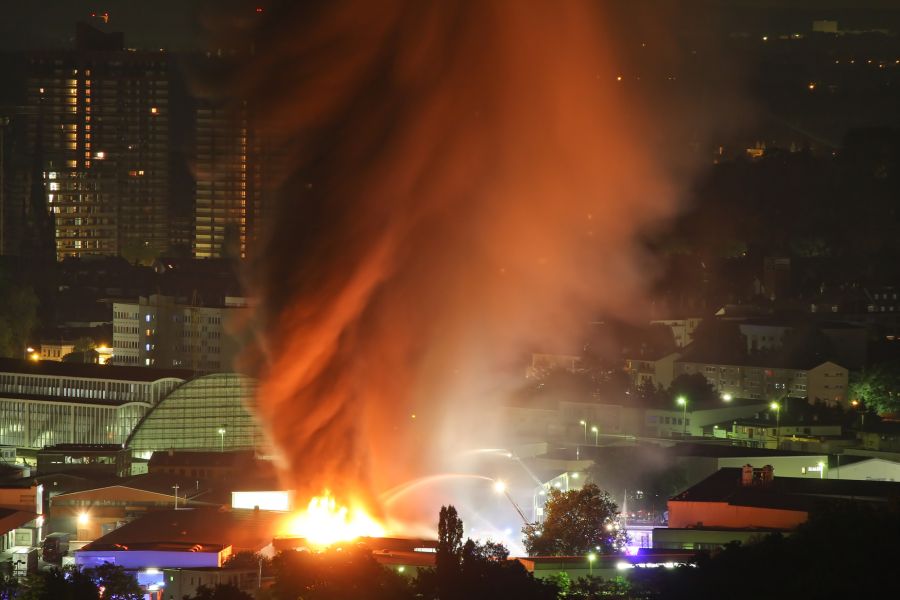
pixel 467 178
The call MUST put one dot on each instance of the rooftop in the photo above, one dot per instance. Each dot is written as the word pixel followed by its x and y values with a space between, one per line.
pixel 782 359
pixel 170 458
pixel 791 493
pixel 729 451
pixel 170 529
pixel 83 448
pixel 11 519
pixel 90 371
pixel 66 399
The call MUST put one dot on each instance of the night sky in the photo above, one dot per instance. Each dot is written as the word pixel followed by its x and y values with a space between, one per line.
pixel 174 24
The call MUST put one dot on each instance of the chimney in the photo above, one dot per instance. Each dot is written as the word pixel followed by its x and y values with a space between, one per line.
pixel 747 475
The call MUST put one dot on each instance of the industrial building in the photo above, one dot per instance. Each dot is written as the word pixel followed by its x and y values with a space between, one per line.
pixel 737 504
pixel 212 412
pixel 85 459
pixel 43 403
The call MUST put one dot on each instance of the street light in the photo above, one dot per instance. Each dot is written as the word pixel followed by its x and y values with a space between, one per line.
pixel 583 423
pixel 727 397
pixel 591 558
pixel 777 408
pixel 221 439
pixel 596 432
pixel 822 470
pixel 682 402
pixel 855 403
pixel 501 488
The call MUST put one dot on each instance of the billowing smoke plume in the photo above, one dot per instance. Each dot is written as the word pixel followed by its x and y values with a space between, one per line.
pixel 469 183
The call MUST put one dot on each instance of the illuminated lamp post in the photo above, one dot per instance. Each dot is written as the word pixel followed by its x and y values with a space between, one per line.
pixel 727 397
pixel 591 558
pixel 777 408
pixel 862 413
pixel 596 432
pixel 500 487
pixel 682 402
pixel 221 432
pixel 583 423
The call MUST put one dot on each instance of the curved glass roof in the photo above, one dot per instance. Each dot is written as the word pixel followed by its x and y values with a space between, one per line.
pixel 213 412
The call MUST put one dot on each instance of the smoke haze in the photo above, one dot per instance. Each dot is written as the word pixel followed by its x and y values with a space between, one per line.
pixel 468 182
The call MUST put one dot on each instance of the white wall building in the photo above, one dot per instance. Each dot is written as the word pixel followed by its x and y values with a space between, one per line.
pixel 160 331
pixel 47 402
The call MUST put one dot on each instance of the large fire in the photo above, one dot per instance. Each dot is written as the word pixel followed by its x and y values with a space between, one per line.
pixel 324 522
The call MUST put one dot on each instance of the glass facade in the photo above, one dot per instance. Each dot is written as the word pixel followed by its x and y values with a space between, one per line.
pixel 213 412
pixel 39 423
pixel 91 388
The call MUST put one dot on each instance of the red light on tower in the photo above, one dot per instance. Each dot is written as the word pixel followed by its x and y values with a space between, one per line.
pixel 259 9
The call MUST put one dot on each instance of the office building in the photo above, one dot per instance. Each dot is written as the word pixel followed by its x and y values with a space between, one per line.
pixel 100 128
pixel 164 331
pixel 220 222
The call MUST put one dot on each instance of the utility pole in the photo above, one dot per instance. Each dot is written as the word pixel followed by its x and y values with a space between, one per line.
pixel 175 487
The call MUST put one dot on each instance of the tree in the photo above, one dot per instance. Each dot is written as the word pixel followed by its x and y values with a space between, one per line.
pixel 115 582
pixel 472 571
pixel 575 523
pixel 9 587
pixel 348 572
pixel 18 316
pixel 695 387
pixel 249 560
pixel 59 584
pixel 450 535
pixel 878 388
pixel 221 592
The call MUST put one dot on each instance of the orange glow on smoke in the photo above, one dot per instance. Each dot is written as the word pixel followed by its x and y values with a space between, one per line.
pixel 502 186
pixel 325 522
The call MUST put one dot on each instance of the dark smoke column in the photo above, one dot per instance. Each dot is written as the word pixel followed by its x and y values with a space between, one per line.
pixel 466 180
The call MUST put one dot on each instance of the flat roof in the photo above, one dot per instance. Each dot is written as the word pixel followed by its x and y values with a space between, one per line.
pixel 713 450
pixel 207 526
pixel 68 399
pixel 784 423
pixel 13 519
pixel 90 371
pixel 790 493
pixel 201 458
pixel 83 448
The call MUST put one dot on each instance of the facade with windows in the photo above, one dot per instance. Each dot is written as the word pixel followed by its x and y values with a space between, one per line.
pixel 75 381
pixel 826 382
pixel 212 413
pixel 46 402
pixel 38 422
pixel 99 123
pixel 162 331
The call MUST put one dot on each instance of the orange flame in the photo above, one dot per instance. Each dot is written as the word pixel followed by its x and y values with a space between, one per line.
pixel 324 522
